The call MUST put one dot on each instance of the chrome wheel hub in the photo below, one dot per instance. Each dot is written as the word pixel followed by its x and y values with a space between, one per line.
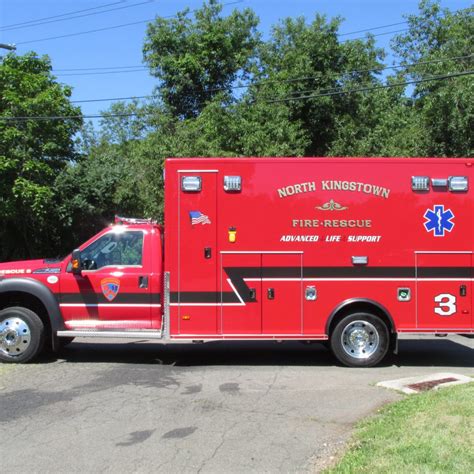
pixel 360 339
pixel 15 337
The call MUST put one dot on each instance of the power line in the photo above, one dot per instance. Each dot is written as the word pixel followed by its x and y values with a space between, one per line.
pixel 373 88
pixel 377 34
pixel 313 96
pixel 78 16
pixel 140 68
pixel 101 73
pixel 97 68
pixel 123 25
pixel 374 28
pixel 407 67
pixel 63 14
pixel 270 81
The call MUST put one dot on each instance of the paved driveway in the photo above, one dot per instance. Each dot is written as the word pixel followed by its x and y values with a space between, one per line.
pixel 223 407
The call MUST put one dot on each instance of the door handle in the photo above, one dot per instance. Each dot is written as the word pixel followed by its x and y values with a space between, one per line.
pixel 253 294
pixel 462 290
pixel 142 282
pixel 207 252
pixel 271 293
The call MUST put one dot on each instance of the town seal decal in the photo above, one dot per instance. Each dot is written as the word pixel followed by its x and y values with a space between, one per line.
pixel 110 288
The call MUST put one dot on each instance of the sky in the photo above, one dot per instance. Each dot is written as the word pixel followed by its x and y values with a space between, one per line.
pixel 121 47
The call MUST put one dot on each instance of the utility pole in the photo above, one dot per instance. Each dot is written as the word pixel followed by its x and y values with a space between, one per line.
pixel 10 47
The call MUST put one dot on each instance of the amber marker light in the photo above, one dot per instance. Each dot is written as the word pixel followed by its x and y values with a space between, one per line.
pixel 232 235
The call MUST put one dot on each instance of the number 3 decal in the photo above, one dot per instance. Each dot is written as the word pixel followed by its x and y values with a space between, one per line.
pixel 446 304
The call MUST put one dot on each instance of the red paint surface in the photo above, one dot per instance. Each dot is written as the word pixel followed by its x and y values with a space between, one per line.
pixel 260 218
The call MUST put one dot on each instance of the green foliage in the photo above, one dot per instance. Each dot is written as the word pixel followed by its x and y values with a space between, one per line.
pixel 197 60
pixel 32 152
pixel 445 109
pixel 224 91
pixel 306 59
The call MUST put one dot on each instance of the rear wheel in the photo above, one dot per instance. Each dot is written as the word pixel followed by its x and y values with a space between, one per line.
pixel 360 340
pixel 21 334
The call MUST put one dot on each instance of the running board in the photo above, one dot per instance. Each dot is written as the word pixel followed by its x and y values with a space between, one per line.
pixel 111 334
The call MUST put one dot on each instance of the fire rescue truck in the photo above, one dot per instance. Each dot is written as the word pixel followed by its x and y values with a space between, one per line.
pixel 352 251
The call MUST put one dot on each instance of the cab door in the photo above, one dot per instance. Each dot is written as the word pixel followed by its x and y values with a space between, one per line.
pixel 113 289
pixel 444 291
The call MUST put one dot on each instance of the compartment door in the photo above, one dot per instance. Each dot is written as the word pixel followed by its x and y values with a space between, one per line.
pixel 282 294
pixel 443 287
pixel 197 298
pixel 241 294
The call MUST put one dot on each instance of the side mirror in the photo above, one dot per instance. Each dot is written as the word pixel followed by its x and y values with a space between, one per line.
pixel 76 262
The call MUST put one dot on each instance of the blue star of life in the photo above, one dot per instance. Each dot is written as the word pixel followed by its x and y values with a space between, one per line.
pixel 438 220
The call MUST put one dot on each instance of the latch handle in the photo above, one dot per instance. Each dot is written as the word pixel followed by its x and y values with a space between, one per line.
pixel 142 282
pixel 253 294
pixel 463 290
pixel 271 293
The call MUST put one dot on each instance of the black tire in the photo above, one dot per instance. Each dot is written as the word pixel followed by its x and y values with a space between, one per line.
pixel 21 335
pixel 360 340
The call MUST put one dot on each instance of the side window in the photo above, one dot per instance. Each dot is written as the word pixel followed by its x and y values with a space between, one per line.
pixel 124 248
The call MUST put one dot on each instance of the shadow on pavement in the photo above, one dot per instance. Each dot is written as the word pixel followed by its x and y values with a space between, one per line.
pixel 421 353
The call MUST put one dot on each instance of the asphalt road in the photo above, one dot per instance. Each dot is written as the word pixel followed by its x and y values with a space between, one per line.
pixel 220 407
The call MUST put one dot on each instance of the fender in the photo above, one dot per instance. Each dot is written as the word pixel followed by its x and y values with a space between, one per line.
pixel 43 293
pixel 352 301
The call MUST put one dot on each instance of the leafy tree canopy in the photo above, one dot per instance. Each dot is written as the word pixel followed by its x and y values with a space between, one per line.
pixel 32 152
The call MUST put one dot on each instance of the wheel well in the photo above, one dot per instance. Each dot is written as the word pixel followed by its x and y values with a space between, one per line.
pixel 360 307
pixel 26 300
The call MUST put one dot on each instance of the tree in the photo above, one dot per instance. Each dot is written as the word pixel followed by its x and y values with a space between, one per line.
pixel 32 152
pixel 304 59
pixel 440 41
pixel 195 61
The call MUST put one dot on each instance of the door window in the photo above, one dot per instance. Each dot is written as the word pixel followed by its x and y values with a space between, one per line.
pixel 114 249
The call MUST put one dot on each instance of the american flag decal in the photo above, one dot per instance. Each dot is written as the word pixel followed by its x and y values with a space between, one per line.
pixel 198 217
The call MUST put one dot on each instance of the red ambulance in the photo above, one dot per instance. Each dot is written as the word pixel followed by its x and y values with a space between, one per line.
pixel 353 251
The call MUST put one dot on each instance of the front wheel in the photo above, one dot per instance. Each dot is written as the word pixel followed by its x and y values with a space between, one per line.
pixel 360 340
pixel 21 334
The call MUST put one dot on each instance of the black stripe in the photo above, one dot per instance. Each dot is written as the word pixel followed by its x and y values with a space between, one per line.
pixel 203 297
pixel 99 298
pixel 445 272
pixel 348 272
pixel 237 275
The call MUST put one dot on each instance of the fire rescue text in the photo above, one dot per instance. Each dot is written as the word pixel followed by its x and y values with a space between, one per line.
pixel 331 223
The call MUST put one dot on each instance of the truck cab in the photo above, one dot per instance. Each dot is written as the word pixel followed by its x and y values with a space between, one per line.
pixel 111 282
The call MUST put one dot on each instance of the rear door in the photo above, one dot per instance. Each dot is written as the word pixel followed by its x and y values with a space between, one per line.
pixel 197 298
pixel 444 290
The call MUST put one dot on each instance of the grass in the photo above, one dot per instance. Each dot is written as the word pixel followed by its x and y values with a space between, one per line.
pixel 432 432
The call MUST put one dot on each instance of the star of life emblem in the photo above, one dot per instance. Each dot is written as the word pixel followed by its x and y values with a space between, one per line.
pixel 438 220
